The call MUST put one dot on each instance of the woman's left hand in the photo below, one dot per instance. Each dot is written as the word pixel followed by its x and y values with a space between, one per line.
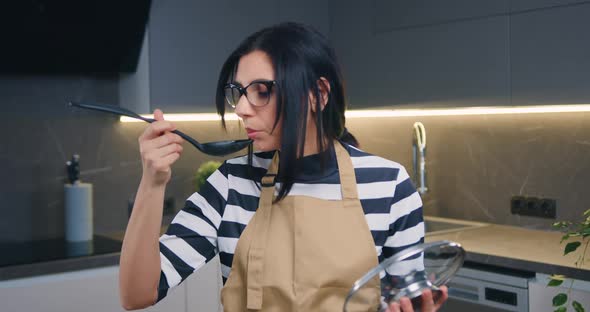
pixel 428 302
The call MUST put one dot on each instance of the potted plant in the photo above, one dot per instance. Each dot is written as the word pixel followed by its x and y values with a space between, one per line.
pixel 578 237
pixel 204 171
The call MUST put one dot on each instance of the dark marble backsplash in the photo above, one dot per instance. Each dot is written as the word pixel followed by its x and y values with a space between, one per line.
pixel 474 163
pixel 40 133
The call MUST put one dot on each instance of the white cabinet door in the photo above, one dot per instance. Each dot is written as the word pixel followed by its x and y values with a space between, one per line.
pixel 87 290
pixel 541 296
pixel 203 288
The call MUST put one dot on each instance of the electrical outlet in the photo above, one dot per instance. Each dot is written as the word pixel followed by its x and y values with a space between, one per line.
pixel 517 204
pixel 533 207
pixel 549 208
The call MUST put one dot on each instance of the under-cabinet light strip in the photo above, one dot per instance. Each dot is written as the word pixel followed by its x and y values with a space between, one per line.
pixel 458 111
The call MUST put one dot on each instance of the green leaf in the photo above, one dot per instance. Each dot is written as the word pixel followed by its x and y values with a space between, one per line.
pixel 571 247
pixel 587 212
pixel 204 171
pixel 560 224
pixel 554 283
pixel 578 306
pixel 559 299
pixel 561 309
pixel 565 237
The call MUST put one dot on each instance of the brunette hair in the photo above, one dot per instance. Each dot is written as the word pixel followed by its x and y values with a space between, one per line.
pixel 300 56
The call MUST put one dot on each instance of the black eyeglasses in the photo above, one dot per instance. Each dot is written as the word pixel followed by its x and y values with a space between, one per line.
pixel 258 92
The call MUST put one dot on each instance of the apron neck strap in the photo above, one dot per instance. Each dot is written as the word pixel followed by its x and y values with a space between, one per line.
pixel 345 170
pixel 268 180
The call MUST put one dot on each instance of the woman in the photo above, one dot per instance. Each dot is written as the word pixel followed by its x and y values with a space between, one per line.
pixel 336 213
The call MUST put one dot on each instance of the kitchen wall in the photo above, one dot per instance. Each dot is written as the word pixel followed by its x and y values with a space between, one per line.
pixel 40 133
pixel 427 53
pixel 474 163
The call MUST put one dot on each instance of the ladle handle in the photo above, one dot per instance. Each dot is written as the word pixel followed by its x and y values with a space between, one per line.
pixel 180 133
pixel 117 110
pixel 125 112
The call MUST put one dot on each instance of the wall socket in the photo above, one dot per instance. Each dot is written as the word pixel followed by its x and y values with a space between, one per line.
pixel 533 207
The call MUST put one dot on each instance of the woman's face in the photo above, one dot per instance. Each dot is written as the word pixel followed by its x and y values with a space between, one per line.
pixel 258 120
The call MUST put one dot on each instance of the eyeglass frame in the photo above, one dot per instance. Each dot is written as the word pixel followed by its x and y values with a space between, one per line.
pixel 242 90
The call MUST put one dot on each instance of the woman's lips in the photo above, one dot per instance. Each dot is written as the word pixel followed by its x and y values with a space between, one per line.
pixel 252 133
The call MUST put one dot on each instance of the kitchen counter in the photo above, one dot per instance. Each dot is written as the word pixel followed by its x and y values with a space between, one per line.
pixel 50 256
pixel 490 244
pixel 20 260
pixel 515 248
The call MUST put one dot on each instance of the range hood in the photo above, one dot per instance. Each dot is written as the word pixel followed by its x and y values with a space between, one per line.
pixel 71 36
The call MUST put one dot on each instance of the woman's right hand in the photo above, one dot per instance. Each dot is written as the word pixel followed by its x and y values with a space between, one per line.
pixel 430 302
pixel 159 149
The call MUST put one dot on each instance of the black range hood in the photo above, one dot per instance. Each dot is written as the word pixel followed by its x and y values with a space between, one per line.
pixel 71 37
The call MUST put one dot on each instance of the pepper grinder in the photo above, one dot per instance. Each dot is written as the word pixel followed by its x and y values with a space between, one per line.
pixel 78 204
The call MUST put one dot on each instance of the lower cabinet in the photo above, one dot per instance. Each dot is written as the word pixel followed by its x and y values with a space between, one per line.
pixel 541 296
pixel 203 288
pixel 97 290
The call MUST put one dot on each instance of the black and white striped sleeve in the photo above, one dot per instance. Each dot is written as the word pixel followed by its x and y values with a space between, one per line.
pixel 406 227
pixel 191 239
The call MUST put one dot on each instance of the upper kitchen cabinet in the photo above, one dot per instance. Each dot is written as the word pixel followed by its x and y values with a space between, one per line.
pixel 188 42
pixel 311 12
pixel 391 15
pixel 549 56
pixel 526 5
pixel 438 56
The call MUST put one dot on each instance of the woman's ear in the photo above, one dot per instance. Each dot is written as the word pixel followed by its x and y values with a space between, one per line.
pixel 324 88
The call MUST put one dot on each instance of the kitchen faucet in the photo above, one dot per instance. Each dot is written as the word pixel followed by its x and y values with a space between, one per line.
pixel 418 157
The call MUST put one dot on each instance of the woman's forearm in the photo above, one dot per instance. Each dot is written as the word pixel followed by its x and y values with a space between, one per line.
pixel 140 255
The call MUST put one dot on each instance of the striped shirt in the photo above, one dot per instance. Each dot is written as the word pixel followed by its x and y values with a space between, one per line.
pixel 214 218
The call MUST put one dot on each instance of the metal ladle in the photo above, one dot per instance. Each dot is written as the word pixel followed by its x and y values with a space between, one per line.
pixel 219 148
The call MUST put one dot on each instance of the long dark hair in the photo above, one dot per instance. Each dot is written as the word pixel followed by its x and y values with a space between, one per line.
pixel 300 56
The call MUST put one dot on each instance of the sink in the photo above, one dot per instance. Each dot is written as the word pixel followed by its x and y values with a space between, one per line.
pixel 435 225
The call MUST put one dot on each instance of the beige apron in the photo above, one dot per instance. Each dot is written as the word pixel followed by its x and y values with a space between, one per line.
pixel 303 253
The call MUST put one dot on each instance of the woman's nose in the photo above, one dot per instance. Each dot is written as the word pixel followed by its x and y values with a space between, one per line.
pixel 243 107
